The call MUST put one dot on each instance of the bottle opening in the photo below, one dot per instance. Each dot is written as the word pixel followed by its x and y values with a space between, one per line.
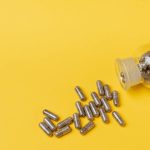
pixel 128 72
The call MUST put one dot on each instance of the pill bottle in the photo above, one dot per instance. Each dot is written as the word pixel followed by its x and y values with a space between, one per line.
pixel 134 70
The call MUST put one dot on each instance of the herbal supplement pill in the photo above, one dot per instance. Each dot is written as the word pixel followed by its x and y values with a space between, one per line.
pixel 45 128
pixel 96 99
pixel 105 104
pixel 115 96
pixel 88 127
pixel 50 124
pixel 103 115
pixel 63 131
pixel 107 92
pixel 88 113
pixel 118 118
pixel 50 115
pixel 80 109
pixel 80 93
pixel 100 88
pixel 94 109
pixel 77 121
pixel 65 122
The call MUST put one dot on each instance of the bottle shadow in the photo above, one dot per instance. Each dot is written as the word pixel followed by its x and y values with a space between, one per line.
pixel 138 91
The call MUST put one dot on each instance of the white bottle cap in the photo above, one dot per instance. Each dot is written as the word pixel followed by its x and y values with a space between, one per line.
pixel 128 72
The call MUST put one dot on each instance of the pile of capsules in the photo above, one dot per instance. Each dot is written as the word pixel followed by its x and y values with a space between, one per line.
pixel 97 107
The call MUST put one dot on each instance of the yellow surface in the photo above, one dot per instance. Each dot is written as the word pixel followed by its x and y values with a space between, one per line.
pixel 47 47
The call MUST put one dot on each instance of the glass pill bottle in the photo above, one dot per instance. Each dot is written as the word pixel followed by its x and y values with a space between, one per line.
pixel 133 71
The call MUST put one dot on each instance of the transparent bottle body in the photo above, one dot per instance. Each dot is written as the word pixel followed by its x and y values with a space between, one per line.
pixel 134 70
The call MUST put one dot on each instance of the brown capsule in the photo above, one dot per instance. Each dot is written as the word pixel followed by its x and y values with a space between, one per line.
pixel 65 122
pixel 88 127
pixel 118 118
pixel 100 88
pixel 80 93
pixel 107 92
pixel 63 131
pixel 45 128
pixel 104 115
pixel 115 96
pixel 80 109
pixel 94 109
pixel 77 121
pixel 88 113
pixel 50 115
pixel 105 104
pixel 96 99
pixel 50 124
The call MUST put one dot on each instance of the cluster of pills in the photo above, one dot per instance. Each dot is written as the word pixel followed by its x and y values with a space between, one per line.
pixel 99 107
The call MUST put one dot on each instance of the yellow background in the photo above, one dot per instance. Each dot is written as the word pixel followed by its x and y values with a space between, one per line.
pixel 47 47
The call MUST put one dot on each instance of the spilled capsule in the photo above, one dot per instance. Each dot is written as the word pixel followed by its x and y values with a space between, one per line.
pixel 80 93
pixel 50 115
pixel 50 124
pixel 80 108
pixel 65 122
pixel 96 99
pixel 103 115
pixel 94 109
pixel 88 127
pixel 45 128
pixel 118 118
pixel 100 87
pixel 107 92
pixel 77 121
pixel 106 105
pixel 115 96
pixel 63 131
pixel 88 113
